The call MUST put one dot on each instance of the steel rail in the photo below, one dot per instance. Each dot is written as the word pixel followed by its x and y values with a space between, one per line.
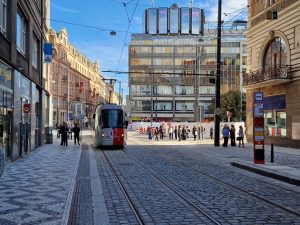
pixel 233 186
pixel 125 193
pixel 164 181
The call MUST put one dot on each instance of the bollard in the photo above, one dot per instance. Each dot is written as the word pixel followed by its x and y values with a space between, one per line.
pixel 272 153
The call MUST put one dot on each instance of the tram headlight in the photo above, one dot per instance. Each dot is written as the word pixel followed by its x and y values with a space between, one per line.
pixel 103 135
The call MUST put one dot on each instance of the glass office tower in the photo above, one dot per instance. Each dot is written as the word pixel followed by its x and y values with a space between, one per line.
pixel 169 74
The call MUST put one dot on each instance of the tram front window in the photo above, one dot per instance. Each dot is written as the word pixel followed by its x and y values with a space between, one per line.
pixel 112 118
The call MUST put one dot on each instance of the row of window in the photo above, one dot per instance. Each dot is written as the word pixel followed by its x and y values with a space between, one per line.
pixel 168 90
pixel 182 50
pixel 21 33
pixel 184 106
pixel 231 60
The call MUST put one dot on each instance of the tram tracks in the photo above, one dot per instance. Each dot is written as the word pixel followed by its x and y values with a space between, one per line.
pixel 226 184
pixel 166 183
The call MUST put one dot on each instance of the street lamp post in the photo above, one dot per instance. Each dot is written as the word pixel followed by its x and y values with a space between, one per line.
pixel 218 74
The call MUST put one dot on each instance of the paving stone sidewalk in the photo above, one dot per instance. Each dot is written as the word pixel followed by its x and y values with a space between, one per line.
pixel 37 189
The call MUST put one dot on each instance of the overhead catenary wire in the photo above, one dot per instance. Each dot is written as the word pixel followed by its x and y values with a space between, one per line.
pixel 128 27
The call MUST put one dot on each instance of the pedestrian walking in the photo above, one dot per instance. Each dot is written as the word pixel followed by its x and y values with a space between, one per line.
pixel 232 136
pixel 156 131
pixel 211 132
pixel 170 130
pixel 241 136
pixel 226 134
pixel 161 132
pixel 149 133
pixel 175 132
pixel 179 133
pixel 183 133
pixel 64 134
pixel 76 131
pixel 172 133
pixel 202 130
pixel 194 132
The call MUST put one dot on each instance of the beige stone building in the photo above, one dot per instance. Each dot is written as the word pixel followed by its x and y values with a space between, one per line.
pixel 75 83
pixel 274 68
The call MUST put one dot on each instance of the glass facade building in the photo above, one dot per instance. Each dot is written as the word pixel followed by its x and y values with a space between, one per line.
pixel 169 74
pixel 174 20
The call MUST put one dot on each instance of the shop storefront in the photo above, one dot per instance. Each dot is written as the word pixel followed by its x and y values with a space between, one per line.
pixel 26 122
pixel 6 110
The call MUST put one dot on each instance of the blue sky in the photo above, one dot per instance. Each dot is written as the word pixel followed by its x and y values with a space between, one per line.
pixel 98 45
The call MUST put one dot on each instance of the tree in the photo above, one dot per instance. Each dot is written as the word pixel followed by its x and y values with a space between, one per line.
pixel 230 101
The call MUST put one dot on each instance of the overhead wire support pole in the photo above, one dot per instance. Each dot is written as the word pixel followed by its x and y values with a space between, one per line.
pixel 218 76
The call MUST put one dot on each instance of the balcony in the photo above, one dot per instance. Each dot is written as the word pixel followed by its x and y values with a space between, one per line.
pixel 266 77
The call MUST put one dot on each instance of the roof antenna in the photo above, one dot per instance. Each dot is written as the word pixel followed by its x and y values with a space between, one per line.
pixel 152 3
pixel 191 3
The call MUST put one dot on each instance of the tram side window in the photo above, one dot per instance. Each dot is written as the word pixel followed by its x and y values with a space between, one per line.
pixel 112 118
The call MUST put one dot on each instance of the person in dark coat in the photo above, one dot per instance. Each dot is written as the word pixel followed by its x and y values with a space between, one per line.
pixel 232 136
pixel 175 132
pixel 64 134
pixel 194 131
pixel 156 131
pixel 179 133
pixel 76 131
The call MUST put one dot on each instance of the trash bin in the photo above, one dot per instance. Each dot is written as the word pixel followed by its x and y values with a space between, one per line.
pixel 49 135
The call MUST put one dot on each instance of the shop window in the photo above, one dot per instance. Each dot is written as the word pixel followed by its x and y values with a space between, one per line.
pixel 275 123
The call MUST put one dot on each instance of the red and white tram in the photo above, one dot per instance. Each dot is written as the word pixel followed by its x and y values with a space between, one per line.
pixel 110 126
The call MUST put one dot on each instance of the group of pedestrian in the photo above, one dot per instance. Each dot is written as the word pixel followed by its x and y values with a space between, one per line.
pixel 231 133
pixel 64 131
pixel 180 132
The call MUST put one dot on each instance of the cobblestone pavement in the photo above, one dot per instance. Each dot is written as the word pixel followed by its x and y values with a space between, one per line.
pixel 69 185
pixel 37 189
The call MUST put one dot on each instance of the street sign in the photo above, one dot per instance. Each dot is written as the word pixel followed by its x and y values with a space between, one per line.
pixel 47 53
pixel 26 108
pixel 218 111
pixel 258 128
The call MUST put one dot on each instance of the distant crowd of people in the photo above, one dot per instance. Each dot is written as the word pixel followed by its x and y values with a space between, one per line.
pixel 64 131
pixel 182 133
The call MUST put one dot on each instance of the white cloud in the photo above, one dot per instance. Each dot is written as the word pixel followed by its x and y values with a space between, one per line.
pixel 230 7
pixel 63 9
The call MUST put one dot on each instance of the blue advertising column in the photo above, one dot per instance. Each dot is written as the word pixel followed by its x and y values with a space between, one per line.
pixel 258 128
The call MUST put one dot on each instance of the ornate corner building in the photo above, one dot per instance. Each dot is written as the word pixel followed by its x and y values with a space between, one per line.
pixel 274 68
pixel 75 84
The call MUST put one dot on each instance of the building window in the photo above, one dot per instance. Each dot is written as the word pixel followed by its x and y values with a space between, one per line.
pixel 184 106
pixel 276 53
pixel 140 90
pixel 34 52
pixel 162 90
pixel 21 33
pixel 141 106
pixel 184 90
pixel 162 106
pixel 3 8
